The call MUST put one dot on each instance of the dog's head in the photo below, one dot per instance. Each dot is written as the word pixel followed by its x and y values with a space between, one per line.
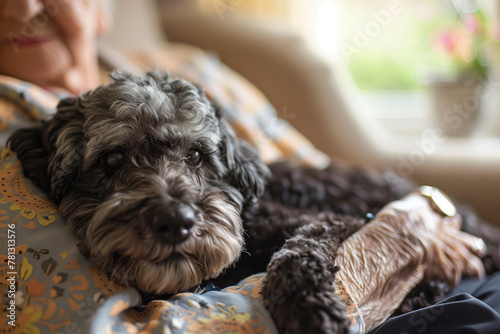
pixel 150 179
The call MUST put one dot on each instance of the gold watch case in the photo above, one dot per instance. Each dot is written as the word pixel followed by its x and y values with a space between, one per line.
pixel 441 203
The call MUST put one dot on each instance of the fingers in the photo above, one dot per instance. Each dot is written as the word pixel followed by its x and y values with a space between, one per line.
pixel 475 245
pixel 474 267
pixel 454 223
pixel 477 249
pixel 453 258
pixel 448 263
pixel 450 253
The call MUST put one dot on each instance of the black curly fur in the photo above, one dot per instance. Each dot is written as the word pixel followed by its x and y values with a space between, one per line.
pixel 320 209
pixel 336 188
pixel 300 275
pixel 302 218
pixel 300 279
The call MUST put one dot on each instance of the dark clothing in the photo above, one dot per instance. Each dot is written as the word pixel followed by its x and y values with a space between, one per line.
pixel 472 307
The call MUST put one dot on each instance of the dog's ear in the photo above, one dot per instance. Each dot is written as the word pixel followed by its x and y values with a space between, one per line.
pixel 34 157
pixel 51 152
pixel 246 171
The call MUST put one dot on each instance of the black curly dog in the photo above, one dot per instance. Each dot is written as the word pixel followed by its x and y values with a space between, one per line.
pixel 304 215
pixel 159 192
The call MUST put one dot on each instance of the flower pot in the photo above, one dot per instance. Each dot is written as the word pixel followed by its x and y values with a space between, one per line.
pixel 456 107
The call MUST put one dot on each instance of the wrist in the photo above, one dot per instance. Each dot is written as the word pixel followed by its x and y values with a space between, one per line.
pixel 380 251
pixel 385 259
pixel 378 269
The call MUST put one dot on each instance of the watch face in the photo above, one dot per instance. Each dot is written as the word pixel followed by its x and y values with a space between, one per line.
pixel 441 202
pixel 444 203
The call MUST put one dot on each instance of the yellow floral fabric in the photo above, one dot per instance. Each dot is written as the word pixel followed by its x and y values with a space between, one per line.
pixel 231 310
pixel 52 280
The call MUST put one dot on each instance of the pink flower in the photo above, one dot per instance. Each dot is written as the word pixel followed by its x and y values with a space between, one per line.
pixel 455 43
pixel 447 41
pixel 471 23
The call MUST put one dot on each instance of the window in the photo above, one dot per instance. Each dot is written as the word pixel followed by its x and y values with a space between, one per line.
pixel 389 47
pixel 394 50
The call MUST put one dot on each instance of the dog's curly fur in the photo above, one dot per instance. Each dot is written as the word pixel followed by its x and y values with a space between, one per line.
pixel 334 202
pixel 122 163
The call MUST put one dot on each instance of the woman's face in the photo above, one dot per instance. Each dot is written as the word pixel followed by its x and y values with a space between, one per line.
pixel 45 41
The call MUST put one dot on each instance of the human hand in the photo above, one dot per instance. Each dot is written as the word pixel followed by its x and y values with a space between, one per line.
pixel 449 252
pixel 406 242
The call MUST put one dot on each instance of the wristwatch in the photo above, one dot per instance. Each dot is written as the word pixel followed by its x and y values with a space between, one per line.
pixel 440 203
pixel 443 205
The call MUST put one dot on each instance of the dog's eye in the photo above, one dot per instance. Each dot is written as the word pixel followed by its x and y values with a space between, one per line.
pixel 194 157
pixel 113 160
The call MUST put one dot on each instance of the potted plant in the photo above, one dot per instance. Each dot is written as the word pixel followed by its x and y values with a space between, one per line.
pixel 468 47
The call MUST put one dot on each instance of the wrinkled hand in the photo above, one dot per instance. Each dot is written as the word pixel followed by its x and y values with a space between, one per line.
pixel 449 252
pixel 406 242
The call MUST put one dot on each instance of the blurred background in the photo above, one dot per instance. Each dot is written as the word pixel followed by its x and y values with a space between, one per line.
pixel 405 85
pixel 394 50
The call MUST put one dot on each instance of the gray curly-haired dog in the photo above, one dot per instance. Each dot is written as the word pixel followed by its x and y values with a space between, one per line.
pixel 148 177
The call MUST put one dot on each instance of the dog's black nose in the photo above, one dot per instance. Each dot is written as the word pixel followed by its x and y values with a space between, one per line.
pixel 173 222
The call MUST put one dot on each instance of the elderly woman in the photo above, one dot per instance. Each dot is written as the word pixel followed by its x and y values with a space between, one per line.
pixel 48 50
pixel 52 43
